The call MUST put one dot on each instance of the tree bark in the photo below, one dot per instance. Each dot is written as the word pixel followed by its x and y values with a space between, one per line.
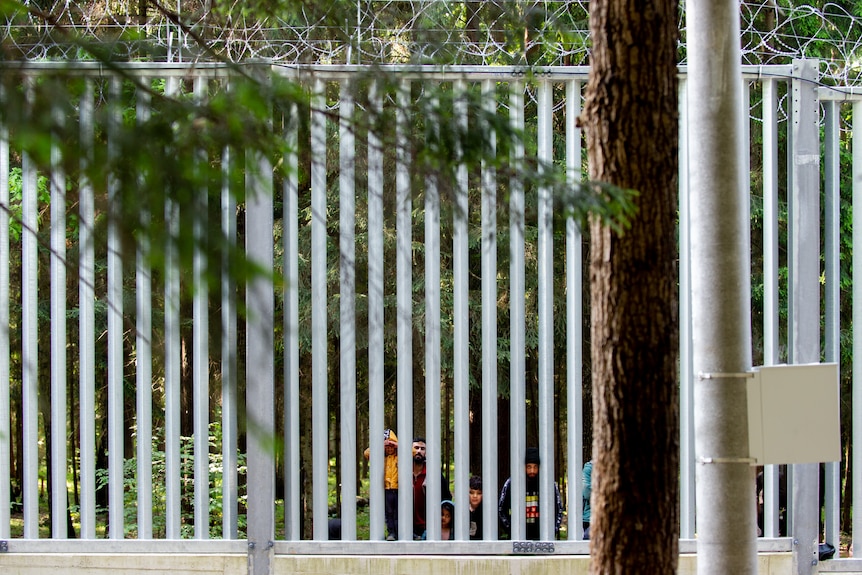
pixel 631 122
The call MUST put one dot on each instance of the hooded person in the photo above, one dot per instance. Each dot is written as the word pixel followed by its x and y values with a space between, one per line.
pixel 390 481
pixel 531 499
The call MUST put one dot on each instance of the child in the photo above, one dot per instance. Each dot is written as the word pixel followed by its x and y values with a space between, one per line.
pixel 447 527
pixel 475 507
pixel 390 481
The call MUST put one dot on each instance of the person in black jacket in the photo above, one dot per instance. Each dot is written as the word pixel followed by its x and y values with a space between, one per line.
pixel 531 500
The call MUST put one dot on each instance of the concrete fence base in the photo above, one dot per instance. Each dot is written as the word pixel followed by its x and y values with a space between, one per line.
pixel 236 564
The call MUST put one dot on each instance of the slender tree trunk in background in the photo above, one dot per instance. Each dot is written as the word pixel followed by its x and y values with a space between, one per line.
pixel 45 411
pixel 334 423
pixel 847 499
pixel 476 409
pixel 305 451
pixel 560 431
pixel 186 382
pixel 44 401
pixel 504 468
pixel 631 123
pixel 531 393
pixel 74 434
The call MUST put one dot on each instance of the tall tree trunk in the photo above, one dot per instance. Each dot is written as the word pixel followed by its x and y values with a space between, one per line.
pixel 631 122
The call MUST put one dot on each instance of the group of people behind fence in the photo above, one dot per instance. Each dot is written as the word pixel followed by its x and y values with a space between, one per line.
pixel 447 506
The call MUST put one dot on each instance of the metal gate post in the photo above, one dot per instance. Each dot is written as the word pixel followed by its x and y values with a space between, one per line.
pixel 804 273
pixel 260 368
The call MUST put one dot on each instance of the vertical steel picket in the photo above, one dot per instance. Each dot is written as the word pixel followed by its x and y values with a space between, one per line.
pixel 574 322
pixel 546 315
pixel 832 257
pixel 347 271
pixel 116 429
pixel 489 323
pixel 517 319
pixel 461 321
pixel 30 340
pixel 173 502
pixel 144 357
pixel 319 303
pixel 59 431
pixel 375 320
pixel 404 313
pixel 86 325
pixel 200 345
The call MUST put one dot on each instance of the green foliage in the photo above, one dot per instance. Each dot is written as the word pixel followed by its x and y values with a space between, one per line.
pixel 187 480
pixel 16 188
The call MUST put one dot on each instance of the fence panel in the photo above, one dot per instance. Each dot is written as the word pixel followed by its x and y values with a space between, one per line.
pixel 455 274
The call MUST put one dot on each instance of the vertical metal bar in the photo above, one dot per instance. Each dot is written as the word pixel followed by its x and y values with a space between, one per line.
pixel 686 399
pixel 804 274
pixel 5 387
pixel 200 345
pixel 30 341
pixel 30 351
pixel 745 165
pixel 260 366
pixel 143 358
pixel 375 322
pixel 173 501
pixel 229 407
pixel 86 322
pixel 58 336
pixel 291 331
pixel 856 463
pixel 404 311
pixel 546 316
pixel 116 484
pixel 432 314
pixel 489 322
pixel 832 245
pixel 347 268
pixel 461 325
pixel 770 224
pixel 574 322
pixel 517 328
pixel 319 303
pixel 770 279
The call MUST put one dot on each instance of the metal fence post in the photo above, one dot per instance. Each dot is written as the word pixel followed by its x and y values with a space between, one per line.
pixel 804 273
pixel 260 368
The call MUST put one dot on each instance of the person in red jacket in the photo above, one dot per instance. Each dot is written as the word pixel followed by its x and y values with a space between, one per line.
pixel 420 488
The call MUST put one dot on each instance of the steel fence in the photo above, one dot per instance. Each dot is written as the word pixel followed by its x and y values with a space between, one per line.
pixel 372 259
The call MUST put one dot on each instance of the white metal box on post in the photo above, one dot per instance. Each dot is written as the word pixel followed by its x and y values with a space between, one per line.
pixel 793 414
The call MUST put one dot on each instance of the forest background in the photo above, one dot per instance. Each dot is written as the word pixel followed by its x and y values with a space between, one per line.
pixel 487 33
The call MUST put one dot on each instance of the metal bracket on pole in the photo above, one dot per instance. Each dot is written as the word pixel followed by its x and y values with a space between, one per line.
pixel 746 460
pixel 732 375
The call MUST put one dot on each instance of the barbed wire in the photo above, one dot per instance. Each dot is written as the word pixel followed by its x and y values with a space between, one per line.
pixel 490 32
